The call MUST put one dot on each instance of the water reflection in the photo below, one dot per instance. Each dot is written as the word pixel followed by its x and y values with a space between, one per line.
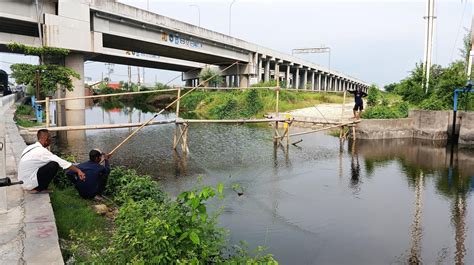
pixel 355 182
pixel 452 171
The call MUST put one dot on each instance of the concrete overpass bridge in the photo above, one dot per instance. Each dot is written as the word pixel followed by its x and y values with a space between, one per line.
pixel 107 31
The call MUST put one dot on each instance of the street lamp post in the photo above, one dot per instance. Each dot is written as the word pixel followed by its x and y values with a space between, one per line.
pixel 230 16
pixel 199 14
pixel 315 50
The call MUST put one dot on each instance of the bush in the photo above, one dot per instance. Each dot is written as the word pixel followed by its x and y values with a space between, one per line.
pixel 25 110
pixel 191 101
pixel 373 95
pixel 139 188
pixel 253 103
pixel 386 112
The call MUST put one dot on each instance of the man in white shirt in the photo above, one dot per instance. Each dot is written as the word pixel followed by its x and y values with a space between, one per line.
pixel 38 166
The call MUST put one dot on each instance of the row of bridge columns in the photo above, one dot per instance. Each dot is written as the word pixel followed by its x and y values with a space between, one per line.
pixel 298 77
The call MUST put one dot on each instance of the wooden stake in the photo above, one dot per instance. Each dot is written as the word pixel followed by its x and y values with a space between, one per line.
pixel 177 104
pixel 277 110
pixel 343 105
pixel 47 112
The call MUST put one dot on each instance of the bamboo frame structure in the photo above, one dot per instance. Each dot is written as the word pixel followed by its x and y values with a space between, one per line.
pixel 130 125
pixel 47 112
pixel 109 95
pixel 100 126
pixel 326 128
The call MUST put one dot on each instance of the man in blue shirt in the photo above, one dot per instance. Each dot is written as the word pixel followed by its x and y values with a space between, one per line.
pixel 359 103
pixel 96 175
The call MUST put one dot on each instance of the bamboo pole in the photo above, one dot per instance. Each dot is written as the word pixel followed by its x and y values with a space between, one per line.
pixel 47 112
pixel 175 143
pixel 178 139
pixel 177 104
pixel 109 95
pixel 341 131
pixel 128 125
pixel 161 111
pixel 322 129
pixel 231 121
pixel 99 126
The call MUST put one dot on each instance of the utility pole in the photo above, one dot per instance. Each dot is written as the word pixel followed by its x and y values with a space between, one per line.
pixel 129 78
pixel 230 16
pixel 428 43
pixel 138 78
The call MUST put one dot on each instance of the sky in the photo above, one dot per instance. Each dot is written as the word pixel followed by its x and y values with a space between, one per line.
pixel 375 41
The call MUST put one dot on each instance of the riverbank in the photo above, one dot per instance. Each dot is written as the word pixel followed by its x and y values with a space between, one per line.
pixel 142 224
pixel 28 231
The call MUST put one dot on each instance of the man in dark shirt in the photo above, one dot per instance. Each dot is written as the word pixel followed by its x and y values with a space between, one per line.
pixel 96 175
pixel 359 103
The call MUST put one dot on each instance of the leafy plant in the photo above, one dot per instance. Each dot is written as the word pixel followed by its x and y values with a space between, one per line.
pixel 373 95
pixel 213 75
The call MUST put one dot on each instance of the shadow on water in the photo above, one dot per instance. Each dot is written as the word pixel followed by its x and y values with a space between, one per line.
pixel 323 202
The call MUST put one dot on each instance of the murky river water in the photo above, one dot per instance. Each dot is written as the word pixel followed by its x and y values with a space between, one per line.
pixel 323 202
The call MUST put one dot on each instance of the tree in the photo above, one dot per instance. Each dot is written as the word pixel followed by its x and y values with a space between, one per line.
pixel 390 87
pixel 50 75
pixel 373 95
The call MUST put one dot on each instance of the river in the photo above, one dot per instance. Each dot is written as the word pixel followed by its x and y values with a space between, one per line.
pixel 320 202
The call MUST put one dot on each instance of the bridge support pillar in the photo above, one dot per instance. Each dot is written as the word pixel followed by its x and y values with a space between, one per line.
pixel 259 69
pixel 277 72
pixel 267 71
pixel 244 81
pixel 76 63
pixel 320 75
pixel 236 81
pixel 189 82
pixel 297 79
pixel 312 80
pixel 287 76
pixel 305 79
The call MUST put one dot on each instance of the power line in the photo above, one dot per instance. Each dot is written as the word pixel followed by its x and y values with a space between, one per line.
pixel 459 29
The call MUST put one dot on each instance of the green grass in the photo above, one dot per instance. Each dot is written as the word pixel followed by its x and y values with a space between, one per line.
pixel 26 123
pixel 252 103
pixel 75 219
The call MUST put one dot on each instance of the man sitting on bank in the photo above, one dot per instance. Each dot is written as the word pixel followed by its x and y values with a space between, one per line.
pixel 96 179
pixel 38 166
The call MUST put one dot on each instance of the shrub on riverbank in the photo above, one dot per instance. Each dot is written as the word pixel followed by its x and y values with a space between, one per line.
pixel 151 228
pixel 25 116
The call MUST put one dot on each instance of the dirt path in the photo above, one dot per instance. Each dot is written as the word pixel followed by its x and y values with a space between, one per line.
pixel 324 112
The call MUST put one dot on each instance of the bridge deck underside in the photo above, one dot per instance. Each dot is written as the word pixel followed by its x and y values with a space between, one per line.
pixel 139 62
pixel 122 43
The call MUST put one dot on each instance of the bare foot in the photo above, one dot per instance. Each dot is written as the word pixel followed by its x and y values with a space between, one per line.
pixel 99 198
pixel 33 191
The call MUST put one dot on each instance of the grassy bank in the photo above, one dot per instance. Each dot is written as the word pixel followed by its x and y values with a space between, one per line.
pixel 251 102
pixel 25 116
pixel 145 226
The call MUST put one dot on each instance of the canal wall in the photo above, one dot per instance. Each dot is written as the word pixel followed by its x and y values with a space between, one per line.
pixel 7 101
pixel 420 124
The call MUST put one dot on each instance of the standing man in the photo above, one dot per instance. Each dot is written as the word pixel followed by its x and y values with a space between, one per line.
pixel 359 103
pixel 38 166
pixel 96 179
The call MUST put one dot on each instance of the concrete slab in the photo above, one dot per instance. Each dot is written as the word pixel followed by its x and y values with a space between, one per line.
pixel 38 208
pixel 28 233
pixel 41 244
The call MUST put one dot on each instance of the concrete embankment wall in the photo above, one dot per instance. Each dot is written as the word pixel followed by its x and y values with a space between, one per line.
pixel 7 101
pixel 420 124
